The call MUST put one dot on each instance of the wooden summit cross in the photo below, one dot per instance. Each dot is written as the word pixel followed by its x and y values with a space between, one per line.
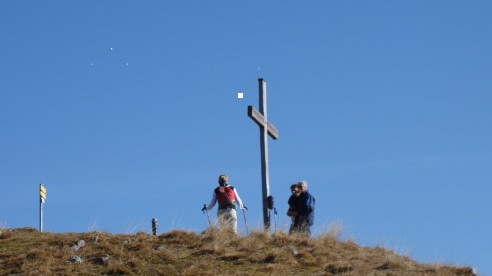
pixel 266 128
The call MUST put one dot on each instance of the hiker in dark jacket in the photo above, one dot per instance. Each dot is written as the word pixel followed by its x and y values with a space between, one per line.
pixel 305 210
pixel 293 203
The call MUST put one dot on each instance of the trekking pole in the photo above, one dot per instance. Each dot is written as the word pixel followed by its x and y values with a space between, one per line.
pixel 271 204
pixel 275 214
pixel 245 222
pixel 204 209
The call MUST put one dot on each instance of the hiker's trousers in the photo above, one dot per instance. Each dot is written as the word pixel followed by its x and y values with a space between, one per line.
pixel 227 219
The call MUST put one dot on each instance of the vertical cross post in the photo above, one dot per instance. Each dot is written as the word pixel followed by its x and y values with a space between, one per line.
pixel 266 129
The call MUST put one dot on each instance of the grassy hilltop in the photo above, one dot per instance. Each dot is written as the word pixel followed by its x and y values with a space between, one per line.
pixel 25 251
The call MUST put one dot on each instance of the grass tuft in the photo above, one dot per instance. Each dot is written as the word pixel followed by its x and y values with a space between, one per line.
pixel 25 251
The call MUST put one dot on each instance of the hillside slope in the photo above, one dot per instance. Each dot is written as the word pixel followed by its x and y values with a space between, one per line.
pixel 25 251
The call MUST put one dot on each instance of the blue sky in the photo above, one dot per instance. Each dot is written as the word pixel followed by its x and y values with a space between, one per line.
pixel 128 110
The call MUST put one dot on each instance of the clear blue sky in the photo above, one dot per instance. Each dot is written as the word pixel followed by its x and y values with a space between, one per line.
pixel 128 110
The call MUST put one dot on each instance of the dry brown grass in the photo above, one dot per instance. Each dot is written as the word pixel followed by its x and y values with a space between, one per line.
pixel 25 251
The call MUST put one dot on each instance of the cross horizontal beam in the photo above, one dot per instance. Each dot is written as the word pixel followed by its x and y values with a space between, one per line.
pixel 260 120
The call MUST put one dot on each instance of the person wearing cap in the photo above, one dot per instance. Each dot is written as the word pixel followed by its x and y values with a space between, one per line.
pixel 228 198
pixel 293 203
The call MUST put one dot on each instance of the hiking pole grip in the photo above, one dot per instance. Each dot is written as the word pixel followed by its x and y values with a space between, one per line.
pixel 275 215
pixel 245 221
pixel 204 210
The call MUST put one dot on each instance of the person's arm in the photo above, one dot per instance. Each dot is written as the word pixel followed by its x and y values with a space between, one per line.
pixel 238 199
pixel 302 207
pixel 212 202
pixel 292 200
pixel 292 211
pixel 310 203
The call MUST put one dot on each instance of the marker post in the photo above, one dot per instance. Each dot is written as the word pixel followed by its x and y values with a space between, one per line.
pixel 42 199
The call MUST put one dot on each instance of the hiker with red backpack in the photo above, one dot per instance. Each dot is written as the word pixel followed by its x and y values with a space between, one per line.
pixel 228 198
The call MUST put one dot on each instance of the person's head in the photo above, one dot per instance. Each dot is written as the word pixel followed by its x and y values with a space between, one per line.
pixel 303 185
pixel 294 189
pixel 223 179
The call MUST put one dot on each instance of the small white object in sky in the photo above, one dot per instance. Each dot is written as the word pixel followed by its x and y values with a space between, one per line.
pixel 240 95
pixel 111 48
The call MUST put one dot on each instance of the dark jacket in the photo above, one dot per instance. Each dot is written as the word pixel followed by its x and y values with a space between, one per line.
pixel 293 203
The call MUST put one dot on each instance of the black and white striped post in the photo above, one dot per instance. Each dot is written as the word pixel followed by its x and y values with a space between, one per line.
pixel 154 226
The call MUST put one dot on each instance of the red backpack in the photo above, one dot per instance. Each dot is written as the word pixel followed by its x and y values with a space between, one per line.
pixel 226 197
